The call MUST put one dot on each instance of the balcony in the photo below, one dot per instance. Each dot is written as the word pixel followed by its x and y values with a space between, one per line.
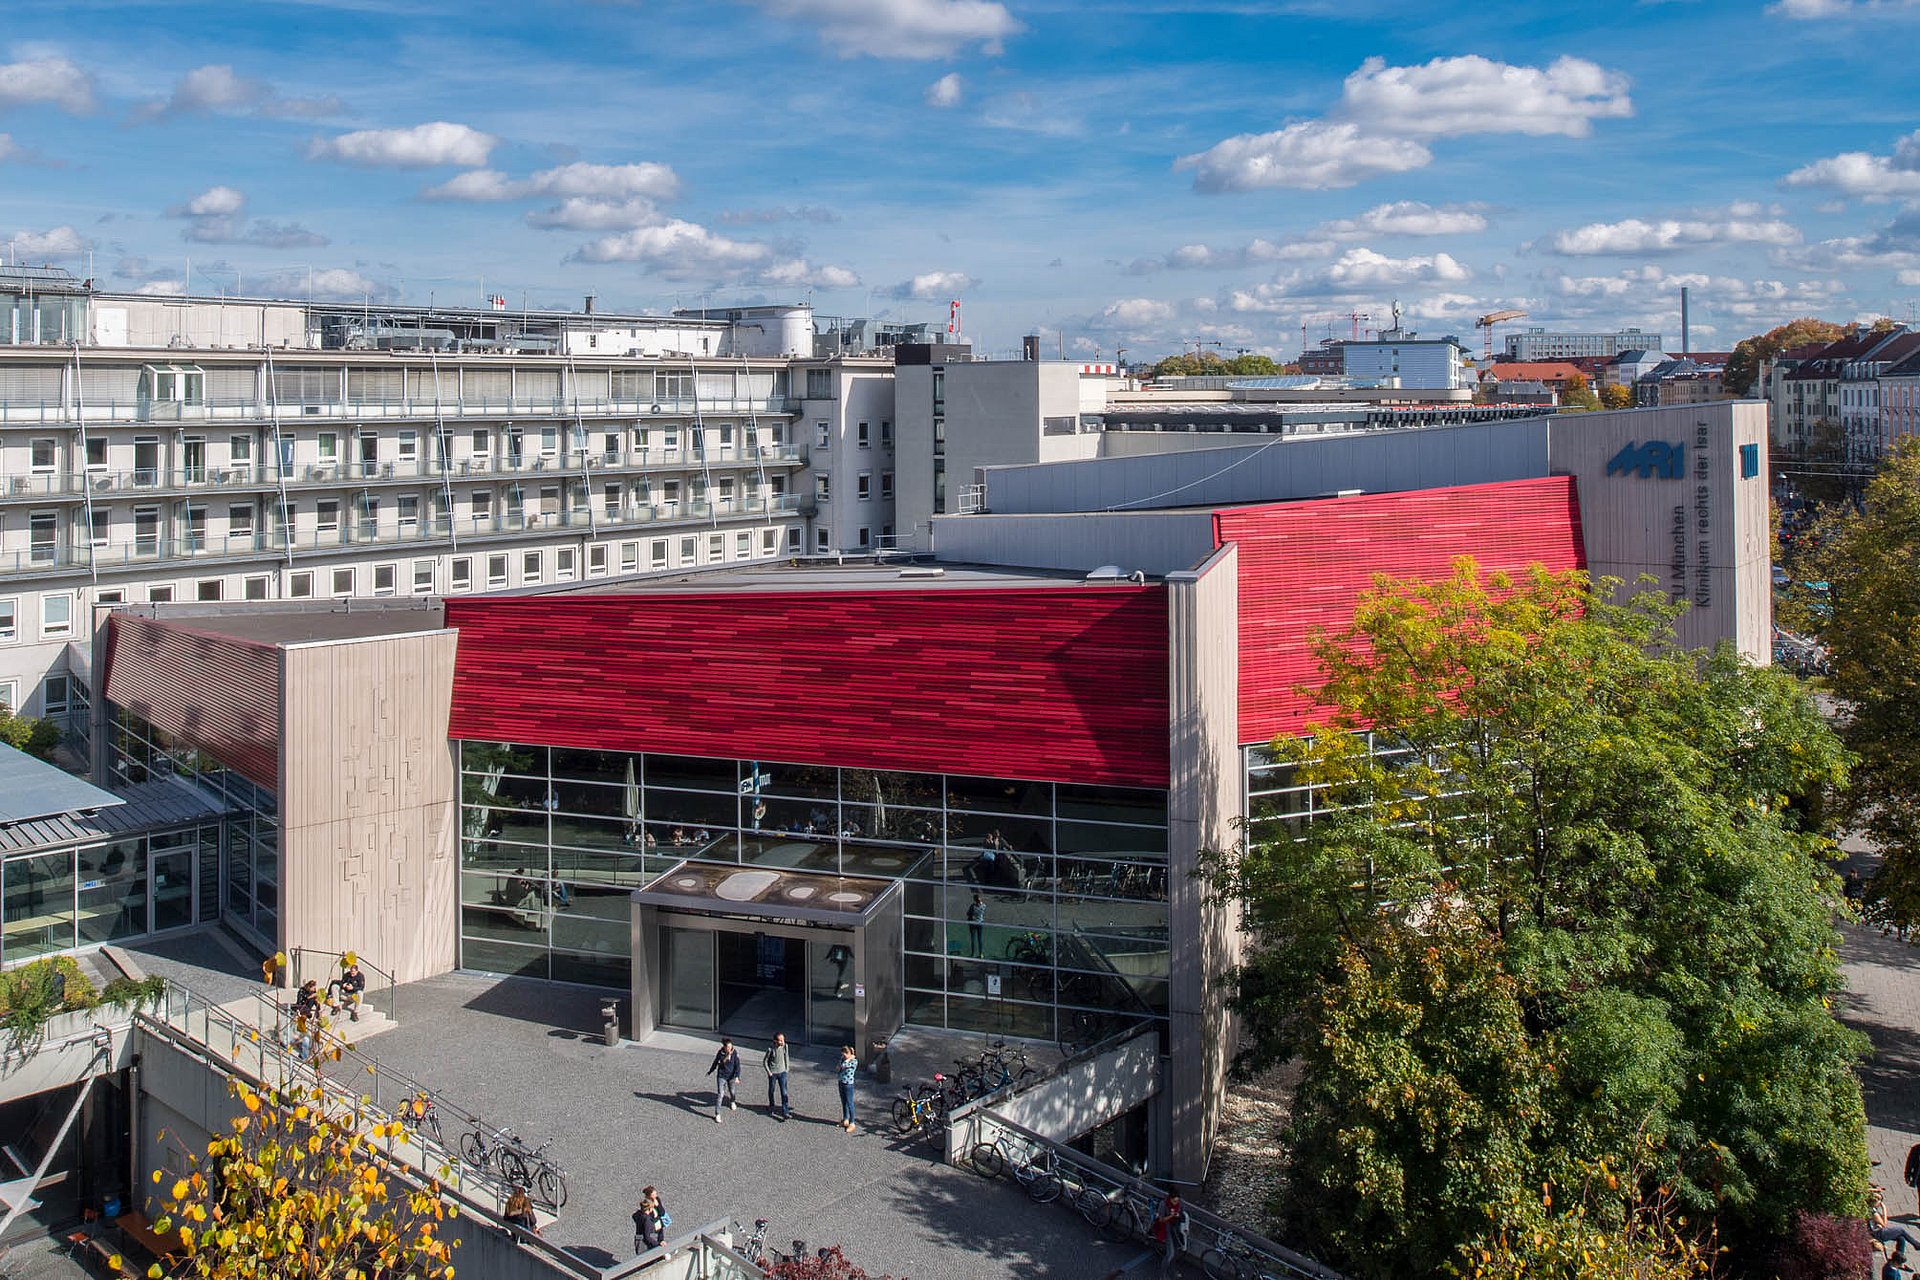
pixel 294 411
pixel 578 464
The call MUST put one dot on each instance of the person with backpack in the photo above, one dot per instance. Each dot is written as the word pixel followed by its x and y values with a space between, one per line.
pixel 725 1070
pixel 776 1063
pixel 1170 1231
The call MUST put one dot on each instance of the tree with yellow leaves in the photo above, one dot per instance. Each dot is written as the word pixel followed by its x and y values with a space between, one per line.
pixel 298 1188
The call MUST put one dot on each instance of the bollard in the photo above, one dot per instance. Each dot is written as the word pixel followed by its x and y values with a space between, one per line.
pixel 610 1014
pixel 881 1063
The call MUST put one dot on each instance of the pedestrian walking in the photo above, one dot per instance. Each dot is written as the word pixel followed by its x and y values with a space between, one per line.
pixel 1170 1231
pixel 725 1070
pixel 849 1066
pixel 977 927
pixel 776 1064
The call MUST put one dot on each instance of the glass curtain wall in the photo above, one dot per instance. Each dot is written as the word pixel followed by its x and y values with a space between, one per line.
pixel 249 873
pixel 103 892
pixel 1033 908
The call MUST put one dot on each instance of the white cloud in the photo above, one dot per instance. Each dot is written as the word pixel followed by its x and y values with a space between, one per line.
pixel 1357 276
pixel 1454 97
pixel 674 249
pixel 420 147
pixel 1137 313
pixel 944 92
pixel 1385 114
pixel 162 288
pixel 601 186
pixel 213 202
pixel 1408 218
pixel 1907 278
pixel 216 89
pixel 581 214
pixel 1863 174
pixel 476 185
pixel 607 181
pixel 9 149
pixel 337 284
pixel 1313 155
pixel 797 213
pixel 901 28
pixel 1642 292
pixel 56 242
pixel 54 81
pixel 1807 10
pixel 932 286
pixel 1738 224
pixel 799 273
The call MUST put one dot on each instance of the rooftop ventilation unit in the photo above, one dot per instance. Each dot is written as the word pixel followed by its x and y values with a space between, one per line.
pixel 923 571
pixel 1114 573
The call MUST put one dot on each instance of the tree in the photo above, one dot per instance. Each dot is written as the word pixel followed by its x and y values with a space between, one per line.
pixel 1576 395
pixel 1870 559
pixel 1743 366
pixel 1557 916
pixel 1189 365
pixel 1827 476
pixel 1252 366
pixel 1616 395
pixel 35 737
pixel 297 1189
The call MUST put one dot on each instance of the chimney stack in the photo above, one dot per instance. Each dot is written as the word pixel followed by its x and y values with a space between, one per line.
pixel 1030 347
pixel 589 304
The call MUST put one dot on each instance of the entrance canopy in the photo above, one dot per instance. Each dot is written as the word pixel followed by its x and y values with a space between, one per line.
pixel 767 893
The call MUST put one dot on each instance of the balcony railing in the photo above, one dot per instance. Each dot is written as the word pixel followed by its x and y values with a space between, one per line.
pixel 68 557
pixel 52 411
pixel 577 463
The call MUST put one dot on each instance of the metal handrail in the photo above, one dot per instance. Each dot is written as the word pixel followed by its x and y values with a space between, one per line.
pixel 298 955
pixel 986 1125
pixel 1013 1088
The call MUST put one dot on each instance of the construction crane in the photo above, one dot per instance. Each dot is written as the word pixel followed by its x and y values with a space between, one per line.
pixel 1485 325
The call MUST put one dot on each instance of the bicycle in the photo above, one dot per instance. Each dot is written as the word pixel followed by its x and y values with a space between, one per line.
pixel 1230 1258
pixel 920 1106
pixel 481 1153
pixel 547 1180
pixel 1130 1214
pixel 1030 948
pixel 1038 1175
pixel 420 1114
pixel 754 1247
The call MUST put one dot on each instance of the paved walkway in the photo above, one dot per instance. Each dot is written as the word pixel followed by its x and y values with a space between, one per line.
pixel 1882 999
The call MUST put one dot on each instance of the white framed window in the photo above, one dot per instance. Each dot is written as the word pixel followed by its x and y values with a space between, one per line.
pixel 610 501
pixel 43 537
pixel 597 561
pixel 743 544
pixel 327 446
pixel 326 515
pixel 823 433
pixel 629 557
pixel 300 585
pixel 98 522
pixel 886 434
pixel 793 537
pixel 689 551
pixel 769 541
pixel 482 504
pixel 863 485
pixel 423 577
pixel 460 574
pixel 409 512
pixel 409 445
pixel 383 579
pixel 862 436
pixel 114 595
pixel 159 595
pixel 9 621
pixel 563 564
pixel 716 546
pixel 820 540
pixel 482 442
pixel 210 589
pixel 43 455
pixel 56 614
pixel 866 538
pixel 496 571
pixel 670 440
pixel 549 441
pixel 254 588
pixel 657 553
pixel 9 695
pixel 343 582
pixel 886 484
pixel 55 695
pixel 240 452
pixel 530 566
pixel 823 487
pixel 240 521
pixel 96 453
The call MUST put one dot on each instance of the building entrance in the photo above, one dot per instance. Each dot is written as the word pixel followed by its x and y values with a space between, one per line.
pixel 762 985
pixel 749 983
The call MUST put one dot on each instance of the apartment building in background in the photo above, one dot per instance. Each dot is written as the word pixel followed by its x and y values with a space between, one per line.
pixel 1539 344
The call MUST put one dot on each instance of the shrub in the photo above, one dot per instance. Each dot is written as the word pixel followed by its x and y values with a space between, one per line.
pixel 1822 1246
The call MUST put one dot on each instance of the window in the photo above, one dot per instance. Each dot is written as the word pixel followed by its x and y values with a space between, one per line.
pixel 9 695
pixel 409 512
pixel 563 564
pixel 326 515
pixel 549 441
pixel 55 694
pixel 530 567
pixel 254 588
pixel 482 502
pixel 96 454
pixel 823 487
pixel 328 445
pixel 866 537
pixel 240 452
pixel 44 455
pixel 886 484
pixel 159 595
pixel 208 590
pixel 43 537
pixel 863 485
pixel 670 440
pixel 640 439
pixel 886 433
pixel 9 621
pixel 769 541
pixel 1749 461
pixel 116 595
pixel 597 561
pixel 343 582
pixel 482 443
pixel 860 435
pixel 409 445
pixel 97 522
pixel 793 538
pixel 657 553
pixel 496 571
pixel 240 521
pixel 819 384
pixel 300 585
pixel 423 577
pixel 820 540
pixel 369 516
pixel 823 433
pixel 460 574
pixel 743 544
pixel 610 501
pixel 689 551
pixel 716 546
pixel 726 435
pixel 383 579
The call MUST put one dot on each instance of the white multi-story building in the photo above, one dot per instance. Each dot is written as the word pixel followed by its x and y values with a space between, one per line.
pixel 1399 358
pixel 844 419
pixel 476 452
pixel 1538 344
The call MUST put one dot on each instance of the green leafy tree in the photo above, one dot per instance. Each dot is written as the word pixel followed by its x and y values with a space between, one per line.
pixel 1743 366
pixel 25 733
pixel 1616 395
pixel 1558 913
pixel 1252 366
pixel 1576 394
pixel 1826 475
pixel 1872 561
pixel 1189 365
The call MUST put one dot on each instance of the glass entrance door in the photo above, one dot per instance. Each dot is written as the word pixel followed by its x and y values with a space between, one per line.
pixel 37 915
pixel 686 983
pixel 830 991
pixel 172 888
pixel 761 985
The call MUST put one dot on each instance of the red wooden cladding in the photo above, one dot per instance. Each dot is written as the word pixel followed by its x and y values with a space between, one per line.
pixel 1054 684
pixel 1303 566
pixel 212 692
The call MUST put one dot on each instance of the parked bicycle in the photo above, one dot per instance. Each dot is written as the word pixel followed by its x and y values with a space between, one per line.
pixel 422 1116
pixel 1038 1174
pixel 1231 1258
pixel 517 1163
pixel 921 1106
pixel 754 1246
pixel 997 1070
pixel 546 1179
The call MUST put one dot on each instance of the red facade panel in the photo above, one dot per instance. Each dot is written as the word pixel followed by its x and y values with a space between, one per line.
pixel 213 692
pixel 1055 684
pixel 1303 565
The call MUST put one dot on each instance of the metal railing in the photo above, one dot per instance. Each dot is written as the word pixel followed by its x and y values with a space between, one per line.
pixel 324 966
pixel 476 406
pixel 1083 1176
pixel 1013 1088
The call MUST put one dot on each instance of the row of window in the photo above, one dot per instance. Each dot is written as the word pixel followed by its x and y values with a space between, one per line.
pixel 862 434
pixel 862 486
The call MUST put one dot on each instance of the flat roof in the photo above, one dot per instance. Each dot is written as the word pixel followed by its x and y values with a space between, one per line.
pixel 32 788
pixel 299 624
pixel 767 892
pixel 823 575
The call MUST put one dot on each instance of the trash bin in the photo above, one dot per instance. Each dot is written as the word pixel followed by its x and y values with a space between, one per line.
pixel 610 1015
pixel 880 1061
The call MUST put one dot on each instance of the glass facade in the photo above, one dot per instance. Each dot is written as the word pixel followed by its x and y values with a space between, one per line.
pixel 1032 908
pixel 243 885
pixel 104 892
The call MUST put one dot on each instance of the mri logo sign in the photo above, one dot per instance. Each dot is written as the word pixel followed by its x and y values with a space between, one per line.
pixel 1654 460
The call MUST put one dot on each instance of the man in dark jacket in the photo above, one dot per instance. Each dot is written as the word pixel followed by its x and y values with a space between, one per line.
pixel 777 1063
pixel 725 1070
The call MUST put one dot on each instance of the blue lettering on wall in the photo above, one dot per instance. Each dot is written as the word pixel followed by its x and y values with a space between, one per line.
pixel 1656 459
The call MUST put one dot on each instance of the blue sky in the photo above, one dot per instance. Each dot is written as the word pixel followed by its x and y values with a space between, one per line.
pixel 1135 173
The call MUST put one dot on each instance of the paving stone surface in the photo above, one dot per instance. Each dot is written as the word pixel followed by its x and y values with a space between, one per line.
pixel 1882 999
